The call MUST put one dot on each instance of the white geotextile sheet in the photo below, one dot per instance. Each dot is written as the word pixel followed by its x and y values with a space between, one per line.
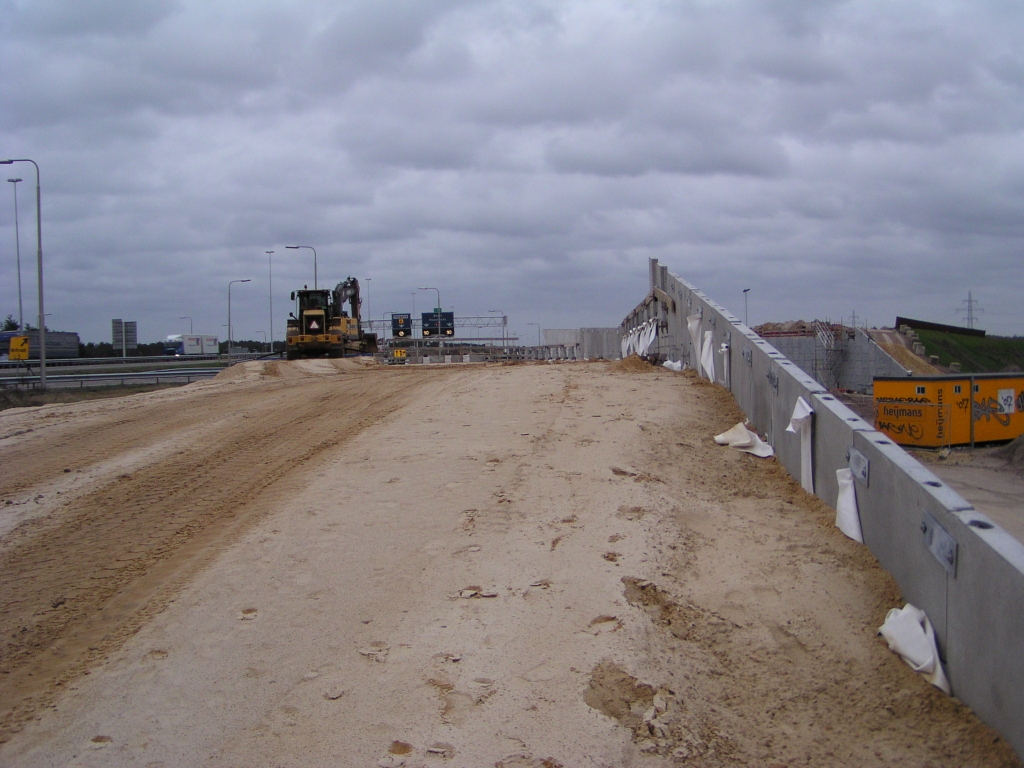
pixel 847 514
pixel 639 339
pixel 693 326
pixel 801 423
pixel 647 338
pixel 744 439
pixel 909 633
pixel 707 355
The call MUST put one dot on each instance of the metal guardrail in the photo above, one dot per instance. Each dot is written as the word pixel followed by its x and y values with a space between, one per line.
pixel 85 361
pixel 84 380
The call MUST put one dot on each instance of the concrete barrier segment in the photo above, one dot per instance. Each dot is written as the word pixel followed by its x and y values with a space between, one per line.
pixel 952 562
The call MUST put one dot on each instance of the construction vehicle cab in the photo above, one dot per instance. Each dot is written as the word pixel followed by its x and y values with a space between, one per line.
pixel 320 326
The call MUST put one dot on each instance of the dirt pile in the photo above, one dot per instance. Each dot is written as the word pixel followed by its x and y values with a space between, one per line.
pixel 1013 454
pixel 632 364
pixel 788 328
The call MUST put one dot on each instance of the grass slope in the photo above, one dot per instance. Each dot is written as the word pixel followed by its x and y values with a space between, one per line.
pixel 976 354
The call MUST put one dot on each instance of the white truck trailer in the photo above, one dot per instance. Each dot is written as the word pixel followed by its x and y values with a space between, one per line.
pixel 189 344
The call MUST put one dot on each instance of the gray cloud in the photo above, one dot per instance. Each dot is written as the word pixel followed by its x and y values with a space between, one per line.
pixel 101 18
pixel 522 155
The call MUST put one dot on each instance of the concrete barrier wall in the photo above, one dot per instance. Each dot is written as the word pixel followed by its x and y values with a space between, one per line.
pixel 589 343
pixel 974 602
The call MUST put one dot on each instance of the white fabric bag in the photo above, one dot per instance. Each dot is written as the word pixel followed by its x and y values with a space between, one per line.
pixel 909 633
pixel 743 439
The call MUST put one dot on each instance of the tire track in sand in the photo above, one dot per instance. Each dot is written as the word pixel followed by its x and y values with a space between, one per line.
pixel 110 427
pixel 76 584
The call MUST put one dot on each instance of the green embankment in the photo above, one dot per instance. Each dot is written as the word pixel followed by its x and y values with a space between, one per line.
pixel 976 354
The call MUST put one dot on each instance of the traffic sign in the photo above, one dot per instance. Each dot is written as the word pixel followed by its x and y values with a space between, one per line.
pixel 19 348
pixel 401 326
pixel 438 324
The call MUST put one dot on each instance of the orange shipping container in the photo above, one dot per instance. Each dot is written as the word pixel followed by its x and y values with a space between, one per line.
pixel 935 411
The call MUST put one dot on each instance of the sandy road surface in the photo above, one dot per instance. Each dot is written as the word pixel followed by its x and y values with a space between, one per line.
pixel 530 565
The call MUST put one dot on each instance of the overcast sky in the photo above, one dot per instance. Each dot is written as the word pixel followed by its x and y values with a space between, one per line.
pixel 523 156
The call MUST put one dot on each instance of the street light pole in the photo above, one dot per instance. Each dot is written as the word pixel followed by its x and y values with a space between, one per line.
pixel 270 280
pixel 538 332
pixel 264 336
pixel 17 253
pixel 186 317
pixel 39 264
pixel 746 322
pixel 230 283
pixel 295 247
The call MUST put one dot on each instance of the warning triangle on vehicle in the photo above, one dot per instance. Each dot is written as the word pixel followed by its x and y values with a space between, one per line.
pixel 313 326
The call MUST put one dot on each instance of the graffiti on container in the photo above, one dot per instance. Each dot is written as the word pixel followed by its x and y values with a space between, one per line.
pixel 903 400
pixel 1006 401
pixel 963 403
pixel 989 409
pixel 911 430
pixel 1020 401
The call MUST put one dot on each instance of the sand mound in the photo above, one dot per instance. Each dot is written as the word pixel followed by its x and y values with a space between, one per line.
pixel 272 370
pixel 319 367
pixel 249 371
pixel 1012 453
pixel 633 364
pixel 354 363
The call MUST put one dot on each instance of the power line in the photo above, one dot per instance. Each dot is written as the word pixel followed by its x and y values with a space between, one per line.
pixel 971 311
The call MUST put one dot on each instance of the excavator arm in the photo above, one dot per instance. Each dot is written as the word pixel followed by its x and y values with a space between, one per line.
pixel 347 291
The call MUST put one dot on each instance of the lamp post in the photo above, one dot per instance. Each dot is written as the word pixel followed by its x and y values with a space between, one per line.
pixel 186 317
pixel 17 253
pixel 264 336
pixel 538 332
pixel 368 315
pixel 504 323
pixel 270 281
pixel 39 266
pixel 746 322
pixel 232 282
pixel 295 247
